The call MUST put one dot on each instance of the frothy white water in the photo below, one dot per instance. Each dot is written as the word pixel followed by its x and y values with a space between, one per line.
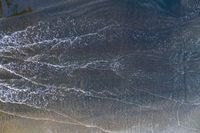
pixel 109 74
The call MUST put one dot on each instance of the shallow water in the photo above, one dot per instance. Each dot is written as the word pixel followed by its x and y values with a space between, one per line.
pixel 101 66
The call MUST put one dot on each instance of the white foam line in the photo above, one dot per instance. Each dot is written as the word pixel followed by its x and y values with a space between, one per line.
pixel 156 95
pixel 47 86
pixel 125 102
pixel 34 82
pixel 57 121
pixel 83 90
pixel 85 125
pixel 75 122
pixel 12 88
pixel 169 99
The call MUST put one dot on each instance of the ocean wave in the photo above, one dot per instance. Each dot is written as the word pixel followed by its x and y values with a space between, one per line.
pixel 86 59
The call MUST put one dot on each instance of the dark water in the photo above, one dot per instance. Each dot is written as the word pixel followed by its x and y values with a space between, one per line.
pixel 100 66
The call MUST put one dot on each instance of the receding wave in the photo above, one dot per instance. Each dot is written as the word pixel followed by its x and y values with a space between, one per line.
pixel 77 61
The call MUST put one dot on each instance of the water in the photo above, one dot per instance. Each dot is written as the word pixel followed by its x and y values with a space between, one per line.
pixel 100 66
